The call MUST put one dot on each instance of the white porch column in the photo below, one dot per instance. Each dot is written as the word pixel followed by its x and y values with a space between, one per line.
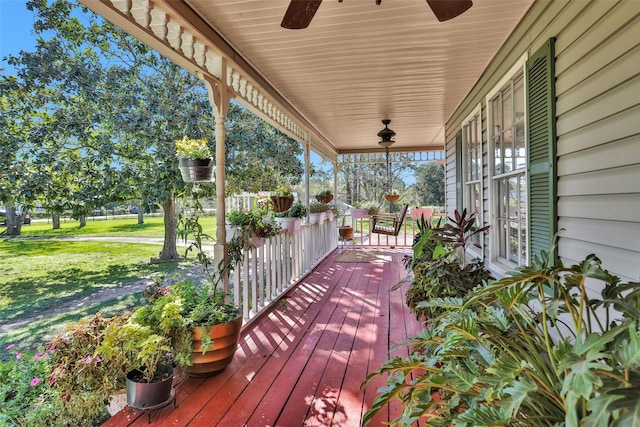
pixel 219 99
pixel 307 163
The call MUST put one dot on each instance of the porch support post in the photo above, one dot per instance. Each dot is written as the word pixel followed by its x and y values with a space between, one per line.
pixel 307 163
pixel 219 97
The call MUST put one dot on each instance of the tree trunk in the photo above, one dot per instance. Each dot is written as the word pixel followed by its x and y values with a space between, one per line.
pixel 55 219
pixel 169 252
pixel 83 220
pixel 140 216
pixel 14 221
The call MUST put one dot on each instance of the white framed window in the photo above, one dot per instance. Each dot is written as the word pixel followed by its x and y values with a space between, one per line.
pixel 508 170
pixel 472 173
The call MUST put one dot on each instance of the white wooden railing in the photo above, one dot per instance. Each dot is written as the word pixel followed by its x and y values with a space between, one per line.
pixel 268 271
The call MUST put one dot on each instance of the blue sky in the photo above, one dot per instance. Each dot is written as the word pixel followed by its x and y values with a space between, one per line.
pixel 16 28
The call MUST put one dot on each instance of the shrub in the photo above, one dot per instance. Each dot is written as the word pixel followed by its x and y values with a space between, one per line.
pixel 532 349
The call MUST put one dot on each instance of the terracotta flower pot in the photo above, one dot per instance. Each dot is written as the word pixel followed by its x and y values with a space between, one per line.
pixel 197 170
pixel 345 232
pixel 281 203
pixel 225 342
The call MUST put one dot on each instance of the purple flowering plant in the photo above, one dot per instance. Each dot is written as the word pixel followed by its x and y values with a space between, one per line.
pixel 24 387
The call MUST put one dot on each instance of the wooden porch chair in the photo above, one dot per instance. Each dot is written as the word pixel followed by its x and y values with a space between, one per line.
pixel 388 224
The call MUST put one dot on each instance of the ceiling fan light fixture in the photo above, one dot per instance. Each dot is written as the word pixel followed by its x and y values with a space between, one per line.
pixel 386 135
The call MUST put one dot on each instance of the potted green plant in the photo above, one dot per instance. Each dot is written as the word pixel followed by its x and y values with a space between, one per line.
pixel 236 220
pixel 536 348
pixel 252 226
pixel 325 196
pixel 281 198
pixel 441 270
pixel 195 159
pixel 148 385
pixel 318 212
pixel 290 220
pixel 201 322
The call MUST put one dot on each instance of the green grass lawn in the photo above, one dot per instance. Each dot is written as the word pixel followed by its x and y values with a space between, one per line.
pixel 38 272
pixel 128 226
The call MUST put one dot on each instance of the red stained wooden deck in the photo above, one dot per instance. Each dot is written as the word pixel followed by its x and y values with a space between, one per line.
pixel 302 362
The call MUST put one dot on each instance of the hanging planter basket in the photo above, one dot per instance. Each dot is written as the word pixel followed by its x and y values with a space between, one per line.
pixel 197 170
pixel 392 198
pixel 281 203
pixel 324 198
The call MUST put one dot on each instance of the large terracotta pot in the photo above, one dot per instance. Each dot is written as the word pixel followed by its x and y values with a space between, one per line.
pixel 197 170
pixel 225 342
pixel 281 203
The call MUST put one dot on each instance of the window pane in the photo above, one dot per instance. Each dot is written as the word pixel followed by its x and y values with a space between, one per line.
pixel 507 133
pixel 507 151
pixel 507 109
pixel 520 147
pixel 514 244
pixel 518 99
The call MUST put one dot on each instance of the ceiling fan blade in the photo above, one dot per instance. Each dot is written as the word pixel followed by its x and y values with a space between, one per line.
pixel 299 14
pixel 448 9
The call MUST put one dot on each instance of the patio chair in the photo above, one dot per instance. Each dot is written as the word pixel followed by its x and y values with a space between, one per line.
pixel 388 224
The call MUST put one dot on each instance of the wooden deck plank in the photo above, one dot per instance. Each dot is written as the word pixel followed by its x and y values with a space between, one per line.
pixel 351 397
pixel 269 409
pixel 316 398
pixel 302 363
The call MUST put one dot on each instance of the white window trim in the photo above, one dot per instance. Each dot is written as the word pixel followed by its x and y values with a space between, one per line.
pixel 474 251
pixel 497 268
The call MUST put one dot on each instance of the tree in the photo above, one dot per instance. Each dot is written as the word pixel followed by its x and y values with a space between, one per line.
pixel 111 110
pixel 258 156
pixel 429 186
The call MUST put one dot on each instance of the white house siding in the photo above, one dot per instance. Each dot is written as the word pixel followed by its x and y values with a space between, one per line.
pixel 598 123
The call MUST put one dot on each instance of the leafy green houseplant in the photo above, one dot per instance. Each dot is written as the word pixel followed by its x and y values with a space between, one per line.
pixel 190 313
pixel 148 384
pixel 297 210
pixel 290 220
pixel 371 208
pixel 439 263
pixel 536 348
pixel 318 211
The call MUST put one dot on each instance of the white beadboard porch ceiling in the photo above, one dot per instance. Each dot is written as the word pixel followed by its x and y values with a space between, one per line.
pixel 358 62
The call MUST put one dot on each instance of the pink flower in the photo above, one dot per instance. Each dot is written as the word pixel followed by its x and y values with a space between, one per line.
pixel 18 355
pixel 10 346
pixel 39 356
pixel 35 381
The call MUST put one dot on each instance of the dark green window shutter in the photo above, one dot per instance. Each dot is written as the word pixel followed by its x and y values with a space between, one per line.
pixel 459 171
pixel 541 158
